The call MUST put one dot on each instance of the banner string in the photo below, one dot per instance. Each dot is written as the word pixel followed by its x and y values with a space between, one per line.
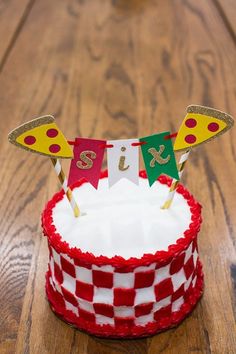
pixel 108 146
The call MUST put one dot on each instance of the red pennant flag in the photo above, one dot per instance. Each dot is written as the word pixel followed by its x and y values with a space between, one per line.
pixel 87 161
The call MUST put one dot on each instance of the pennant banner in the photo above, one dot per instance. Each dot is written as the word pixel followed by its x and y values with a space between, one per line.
pixel 87 161
pixel 42 136
pixel 158 156
pixel 123 161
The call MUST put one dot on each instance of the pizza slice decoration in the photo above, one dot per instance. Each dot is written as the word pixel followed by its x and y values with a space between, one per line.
pixel 201 125
pixel 41 135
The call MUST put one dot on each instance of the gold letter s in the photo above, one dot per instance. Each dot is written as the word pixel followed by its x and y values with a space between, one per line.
pixel 88 162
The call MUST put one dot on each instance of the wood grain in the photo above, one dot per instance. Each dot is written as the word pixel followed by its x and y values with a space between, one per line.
pixel 114 69
pixel 227 10
pixel 13 14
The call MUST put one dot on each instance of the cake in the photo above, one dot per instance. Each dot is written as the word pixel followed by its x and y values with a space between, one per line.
pixel 126 267
pixel 123 257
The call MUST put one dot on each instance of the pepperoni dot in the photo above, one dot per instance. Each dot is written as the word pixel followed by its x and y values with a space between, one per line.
pixel 213 127
pixel 29 140
pixel 190 139
pixel 51 133
pixel 54 148
pixel 191 123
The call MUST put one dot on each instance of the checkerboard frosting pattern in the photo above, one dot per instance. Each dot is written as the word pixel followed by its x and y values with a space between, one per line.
pixel 109 295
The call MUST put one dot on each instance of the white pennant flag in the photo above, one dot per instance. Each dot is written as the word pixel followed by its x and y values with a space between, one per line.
pixel 123 161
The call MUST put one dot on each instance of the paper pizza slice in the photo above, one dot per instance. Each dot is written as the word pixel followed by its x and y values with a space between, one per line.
pixel 200 125
pixel 41 135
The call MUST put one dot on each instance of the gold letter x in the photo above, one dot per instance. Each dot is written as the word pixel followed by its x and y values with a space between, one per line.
pixel 157 156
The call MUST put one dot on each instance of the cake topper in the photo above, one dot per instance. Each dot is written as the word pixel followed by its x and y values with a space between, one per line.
pixel 123 161
pixel 158 156
pixel 87 161
pixel 200 125
pixel 42 136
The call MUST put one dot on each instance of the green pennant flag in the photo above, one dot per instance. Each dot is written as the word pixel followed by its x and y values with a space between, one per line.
pixel 159 157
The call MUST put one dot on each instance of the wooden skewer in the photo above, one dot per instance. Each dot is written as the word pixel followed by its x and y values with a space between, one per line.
pixel 63 180
pixel 174 184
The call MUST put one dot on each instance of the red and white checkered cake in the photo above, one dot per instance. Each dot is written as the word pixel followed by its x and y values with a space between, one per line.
pixel 124 297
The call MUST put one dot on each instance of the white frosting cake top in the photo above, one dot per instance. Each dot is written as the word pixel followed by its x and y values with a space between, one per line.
pixel 125 220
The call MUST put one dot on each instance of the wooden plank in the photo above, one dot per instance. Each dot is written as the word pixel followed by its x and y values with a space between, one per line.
pixel 12 17
pixel 115 69
pixel 195 62
pixel 227 10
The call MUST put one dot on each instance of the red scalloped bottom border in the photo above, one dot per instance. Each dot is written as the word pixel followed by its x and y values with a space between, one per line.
pixel 57 305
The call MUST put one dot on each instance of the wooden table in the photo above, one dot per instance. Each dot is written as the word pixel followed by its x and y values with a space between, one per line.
pixel 114 69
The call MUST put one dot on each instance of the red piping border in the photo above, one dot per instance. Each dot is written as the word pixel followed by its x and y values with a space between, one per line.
pixel 161 257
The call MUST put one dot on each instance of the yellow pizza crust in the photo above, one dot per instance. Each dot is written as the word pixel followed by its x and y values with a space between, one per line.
pixel 41 135
pixel 200 125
